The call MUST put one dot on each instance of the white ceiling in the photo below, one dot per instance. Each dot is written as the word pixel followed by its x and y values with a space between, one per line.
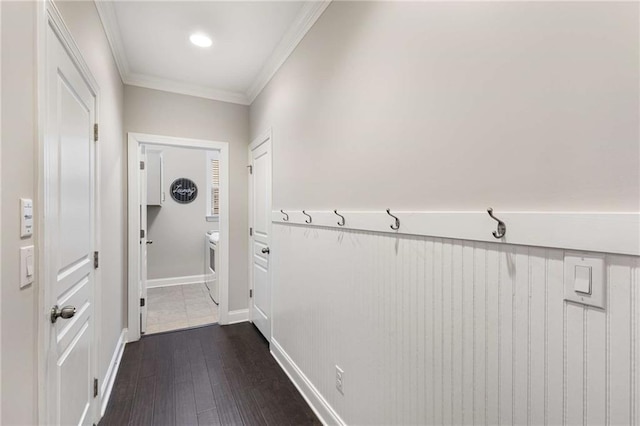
pixel 150 41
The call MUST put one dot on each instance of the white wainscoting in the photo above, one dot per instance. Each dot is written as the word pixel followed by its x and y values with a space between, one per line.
pixel 442 331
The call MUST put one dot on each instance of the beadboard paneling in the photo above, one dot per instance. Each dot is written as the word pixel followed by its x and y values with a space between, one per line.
pixel 442 331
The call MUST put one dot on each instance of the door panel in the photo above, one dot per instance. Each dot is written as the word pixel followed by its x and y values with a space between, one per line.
pixel 74 366
pixel 69 236
pixel 75 163
pixel 261 223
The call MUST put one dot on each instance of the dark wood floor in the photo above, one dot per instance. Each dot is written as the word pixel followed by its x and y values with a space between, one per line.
pixel 207 376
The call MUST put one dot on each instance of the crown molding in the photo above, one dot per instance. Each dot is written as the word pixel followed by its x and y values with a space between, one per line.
pixel 111 27
pixel 167 85
pixel 307 17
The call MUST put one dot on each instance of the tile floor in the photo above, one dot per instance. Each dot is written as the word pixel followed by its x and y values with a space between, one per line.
pixel 177 307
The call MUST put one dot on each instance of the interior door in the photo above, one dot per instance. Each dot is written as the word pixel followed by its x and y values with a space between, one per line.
pixel 143 239
pixel 260 216
pixel 69 239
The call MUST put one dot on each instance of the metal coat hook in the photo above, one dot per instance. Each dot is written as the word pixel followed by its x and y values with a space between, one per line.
pixel 342 222
pixel 397 224
pixel 502 228
pixel 286 216
pixel 309 220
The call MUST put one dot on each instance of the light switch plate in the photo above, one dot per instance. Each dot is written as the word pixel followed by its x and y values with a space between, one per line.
pixel 26 217
pixel 27 266
pixel 584 279
pixel 582 283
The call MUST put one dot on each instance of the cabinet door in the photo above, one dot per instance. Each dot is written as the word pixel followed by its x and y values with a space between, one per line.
pixel 155 180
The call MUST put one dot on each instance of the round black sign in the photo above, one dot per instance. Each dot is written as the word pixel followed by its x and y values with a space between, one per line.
pixel 184 190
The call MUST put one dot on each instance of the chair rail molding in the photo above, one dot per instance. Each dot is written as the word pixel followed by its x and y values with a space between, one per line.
pixel 606 232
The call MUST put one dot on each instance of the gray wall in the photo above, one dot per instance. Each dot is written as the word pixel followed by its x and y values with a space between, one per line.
pixel 168 114
pixel 86 28
pixel 178 230
pixel 19 146
pixel 19 321
pixel 459 106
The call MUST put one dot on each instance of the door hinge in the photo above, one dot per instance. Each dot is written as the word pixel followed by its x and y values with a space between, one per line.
pixel 142 302
pixel 96 259
pixel 250 167
pixel 95 388
pixel 95 132
pixel 142 233
pixel 251 232
pixel 250 293
pixel 142 165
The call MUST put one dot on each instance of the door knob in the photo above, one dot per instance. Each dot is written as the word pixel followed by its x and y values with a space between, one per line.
pixel 149 241
pixel 265 250
pixel 65 313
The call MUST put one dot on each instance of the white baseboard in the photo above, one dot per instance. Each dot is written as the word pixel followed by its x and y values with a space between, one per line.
pixel 112 372
pixel 316 401
pixel 168 282
pixel 239 315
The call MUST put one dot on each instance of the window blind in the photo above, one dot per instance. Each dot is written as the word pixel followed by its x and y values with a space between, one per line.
pixel 215 188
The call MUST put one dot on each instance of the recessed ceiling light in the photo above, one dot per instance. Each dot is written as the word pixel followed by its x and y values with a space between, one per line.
pixel 200 40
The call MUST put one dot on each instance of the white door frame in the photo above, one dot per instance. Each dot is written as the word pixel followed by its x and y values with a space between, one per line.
pixel 48 15
pixel 0 203
pixel 134 141
pixel 262 138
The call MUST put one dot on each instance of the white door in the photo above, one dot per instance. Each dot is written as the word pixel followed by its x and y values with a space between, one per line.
pixel 143 239
pixel 69 239
pixel 260 221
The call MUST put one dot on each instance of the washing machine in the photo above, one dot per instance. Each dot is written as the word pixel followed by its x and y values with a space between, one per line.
pixel 212 242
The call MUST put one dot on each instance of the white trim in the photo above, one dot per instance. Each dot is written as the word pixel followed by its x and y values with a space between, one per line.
pixel 0 204
pixel 41 54
pixel 49 15
pixel 112 372
pixel 111 27
pixel 173 281
pixel 307 17
pixel 239 315
pixel 589 231
pixel 133 220
pixel 316 401
pixel 174 86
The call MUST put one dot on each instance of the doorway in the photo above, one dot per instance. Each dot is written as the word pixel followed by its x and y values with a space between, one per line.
pixel 178 233
pixel 260 234
pixel 69 218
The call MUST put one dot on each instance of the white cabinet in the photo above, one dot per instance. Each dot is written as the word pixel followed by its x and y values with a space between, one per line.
pixel 155 178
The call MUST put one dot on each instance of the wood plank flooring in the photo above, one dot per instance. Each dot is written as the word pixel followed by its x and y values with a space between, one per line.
pixel 206 376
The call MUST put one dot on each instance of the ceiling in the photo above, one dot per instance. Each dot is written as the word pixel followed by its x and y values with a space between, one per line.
pixel 251 40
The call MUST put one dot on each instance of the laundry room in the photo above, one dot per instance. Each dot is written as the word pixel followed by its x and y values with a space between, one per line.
pixel 181 236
